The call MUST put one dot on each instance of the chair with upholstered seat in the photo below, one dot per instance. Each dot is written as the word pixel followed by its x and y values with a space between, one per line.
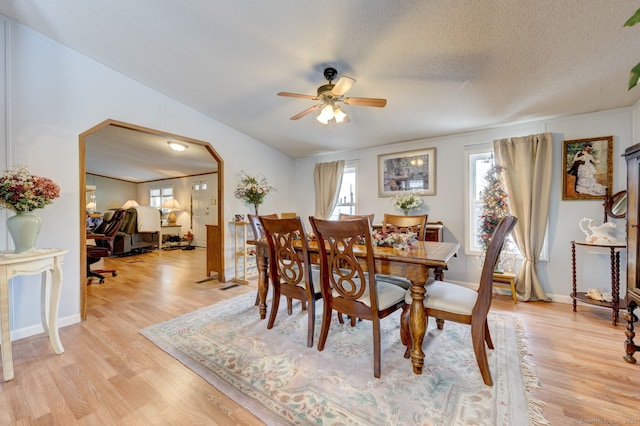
pixel 104 237
pixel 398 223
pixel 258 235
pixel 344 216
pixel 345 287
pixel 454 302
pixel 290 270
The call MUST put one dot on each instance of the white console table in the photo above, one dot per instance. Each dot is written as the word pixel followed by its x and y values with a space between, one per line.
pixel 30 263
pixel 168 230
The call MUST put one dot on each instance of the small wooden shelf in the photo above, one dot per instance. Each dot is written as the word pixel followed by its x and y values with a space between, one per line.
pixel 245 263
pixel 615 305
pixel 582 297
pixel 506 280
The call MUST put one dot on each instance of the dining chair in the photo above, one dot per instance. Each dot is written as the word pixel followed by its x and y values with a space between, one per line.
pixel 401 281
pixel 400 223
pixel 345 287
pixel 344 216
pixel 454 302
pixel 258 235
pixel 290 270
pixel 417 224
pixel 286 215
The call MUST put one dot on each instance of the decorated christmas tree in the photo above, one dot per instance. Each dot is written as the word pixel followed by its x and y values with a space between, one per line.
pixel 494 205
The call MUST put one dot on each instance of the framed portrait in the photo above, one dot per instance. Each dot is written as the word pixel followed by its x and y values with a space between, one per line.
pixel 407 171
pixel 587 168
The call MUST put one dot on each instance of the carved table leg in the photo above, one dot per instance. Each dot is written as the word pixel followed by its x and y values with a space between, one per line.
pixel 615 284
pixel 418 324
pixel 263 279
pixel 630 347
pixel 573 273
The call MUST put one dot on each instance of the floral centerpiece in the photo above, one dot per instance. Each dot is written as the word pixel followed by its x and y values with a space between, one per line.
pixel 399 240
pixel 23 192
pixel 253 189
pixel 406 201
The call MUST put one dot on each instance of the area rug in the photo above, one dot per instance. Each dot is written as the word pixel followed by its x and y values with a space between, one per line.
pixel 282 381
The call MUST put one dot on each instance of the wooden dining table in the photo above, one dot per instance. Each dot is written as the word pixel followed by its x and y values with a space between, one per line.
pixel 413 264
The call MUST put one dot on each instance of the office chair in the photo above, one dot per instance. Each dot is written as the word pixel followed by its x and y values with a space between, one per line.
pixel 104 244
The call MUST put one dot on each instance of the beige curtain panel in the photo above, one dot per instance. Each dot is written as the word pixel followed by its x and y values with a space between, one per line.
pixel 328 180
pixel 527 180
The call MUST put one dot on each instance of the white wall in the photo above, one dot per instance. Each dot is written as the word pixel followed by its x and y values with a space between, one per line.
pixel 53 94
pixel 111 193
pixel 448 204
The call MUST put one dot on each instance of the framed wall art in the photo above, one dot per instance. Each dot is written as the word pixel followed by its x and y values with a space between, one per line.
pixel 587 168
pixel 407 171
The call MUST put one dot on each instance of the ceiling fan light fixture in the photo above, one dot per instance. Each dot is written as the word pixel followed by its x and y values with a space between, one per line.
pixel 326 114
pixel 322 119
pixel 177 146
pixel 339 115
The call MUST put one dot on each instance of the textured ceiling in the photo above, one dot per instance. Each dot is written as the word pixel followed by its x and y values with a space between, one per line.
pixel 444 66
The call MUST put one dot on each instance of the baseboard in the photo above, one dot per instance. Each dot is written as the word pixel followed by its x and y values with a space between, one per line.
pixel 33 330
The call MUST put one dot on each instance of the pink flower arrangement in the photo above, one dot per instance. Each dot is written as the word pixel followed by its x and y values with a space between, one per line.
pixel 22 191
pixel 399 240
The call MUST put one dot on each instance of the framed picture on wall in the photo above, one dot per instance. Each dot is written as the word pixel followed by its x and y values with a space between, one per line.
pixel 587 168
pixel 407 171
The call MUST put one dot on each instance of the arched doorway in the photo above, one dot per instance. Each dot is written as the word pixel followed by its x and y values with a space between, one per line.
pixel 147 146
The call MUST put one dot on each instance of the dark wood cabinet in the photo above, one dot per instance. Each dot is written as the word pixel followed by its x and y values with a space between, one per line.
pixel 632 155
pixel 214 258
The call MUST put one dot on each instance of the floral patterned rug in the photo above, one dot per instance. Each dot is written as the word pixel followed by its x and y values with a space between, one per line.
pixel 282 381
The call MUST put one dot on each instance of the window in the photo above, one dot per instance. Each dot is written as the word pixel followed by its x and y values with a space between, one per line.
pixel 347 198
pixel 478 160
pixel 157 196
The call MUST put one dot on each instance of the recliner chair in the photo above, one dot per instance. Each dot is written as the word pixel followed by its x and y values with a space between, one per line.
pixel 104 239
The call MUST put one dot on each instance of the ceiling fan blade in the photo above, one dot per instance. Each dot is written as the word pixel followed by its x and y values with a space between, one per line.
pixel 298 95
pixel 343 85
pixel 371 102
pixel 306 111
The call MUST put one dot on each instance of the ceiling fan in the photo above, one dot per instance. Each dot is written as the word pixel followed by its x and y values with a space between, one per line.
pixel 330 95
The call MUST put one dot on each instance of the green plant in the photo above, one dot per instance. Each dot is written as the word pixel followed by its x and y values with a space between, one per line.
pixel 635 71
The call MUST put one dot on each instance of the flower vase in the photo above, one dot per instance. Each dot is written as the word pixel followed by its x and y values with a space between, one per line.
pixel 24 228
pixel 406 212
pixel 256 208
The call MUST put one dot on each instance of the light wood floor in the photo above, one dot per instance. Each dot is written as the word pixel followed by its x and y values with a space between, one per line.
pixel 110 374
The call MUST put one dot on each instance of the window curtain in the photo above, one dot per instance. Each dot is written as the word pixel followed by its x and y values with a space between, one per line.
pixel 328 180
pixel 527 181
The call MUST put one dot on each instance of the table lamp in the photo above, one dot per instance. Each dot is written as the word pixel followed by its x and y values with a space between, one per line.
pixel 173 205
pixel 130 203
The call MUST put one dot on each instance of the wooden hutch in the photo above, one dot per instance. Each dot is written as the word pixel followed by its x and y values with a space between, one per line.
pixel 632 155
